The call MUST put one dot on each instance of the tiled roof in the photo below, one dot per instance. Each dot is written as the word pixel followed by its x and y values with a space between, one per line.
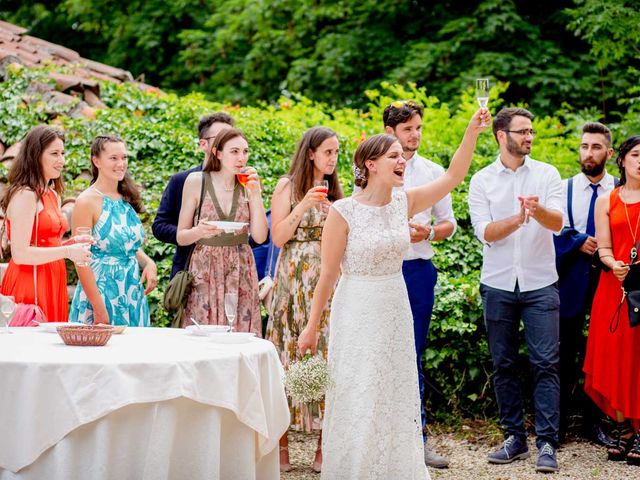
pixel 16 47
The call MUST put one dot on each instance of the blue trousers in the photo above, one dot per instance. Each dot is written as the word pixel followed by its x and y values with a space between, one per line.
pixel 539 311
pixel 420 277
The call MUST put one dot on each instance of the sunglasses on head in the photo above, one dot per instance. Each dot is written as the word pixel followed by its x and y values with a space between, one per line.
pixel 404 103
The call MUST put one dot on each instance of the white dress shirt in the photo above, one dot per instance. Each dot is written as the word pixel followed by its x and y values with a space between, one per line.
pixel 419 171
pixel 527 256
pixel 582 198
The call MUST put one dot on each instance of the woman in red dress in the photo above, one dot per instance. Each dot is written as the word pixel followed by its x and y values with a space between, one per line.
pixel 612 369
pixel 35 186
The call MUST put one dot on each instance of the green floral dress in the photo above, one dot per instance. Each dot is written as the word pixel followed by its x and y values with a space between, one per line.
pixel 118 234
pixel 296 276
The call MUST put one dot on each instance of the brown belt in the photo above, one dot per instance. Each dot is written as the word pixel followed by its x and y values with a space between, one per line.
pixel 225 240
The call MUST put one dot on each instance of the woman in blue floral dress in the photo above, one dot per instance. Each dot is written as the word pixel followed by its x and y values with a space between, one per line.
pixel 110 289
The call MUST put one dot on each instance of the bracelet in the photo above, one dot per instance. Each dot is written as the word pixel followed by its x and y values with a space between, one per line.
pixel 432 234
pixel 605 256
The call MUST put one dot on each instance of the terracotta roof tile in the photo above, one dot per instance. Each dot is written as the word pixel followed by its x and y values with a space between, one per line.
pixel 12 28
pixel 52 48
pixel 18 47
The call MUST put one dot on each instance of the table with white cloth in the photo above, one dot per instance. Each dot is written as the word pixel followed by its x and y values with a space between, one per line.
pixel 154 403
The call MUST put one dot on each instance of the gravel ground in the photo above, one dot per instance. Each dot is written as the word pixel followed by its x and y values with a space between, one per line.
pixel 467 450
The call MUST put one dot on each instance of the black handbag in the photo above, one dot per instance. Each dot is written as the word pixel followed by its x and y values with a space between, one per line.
pixel 630 294
pixel 177 292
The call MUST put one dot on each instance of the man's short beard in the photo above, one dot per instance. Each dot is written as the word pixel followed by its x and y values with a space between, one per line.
pixel 515 149
pixel 409 149
pixel 594 171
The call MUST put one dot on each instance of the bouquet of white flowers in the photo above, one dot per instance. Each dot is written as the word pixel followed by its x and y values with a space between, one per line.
pixel 306 382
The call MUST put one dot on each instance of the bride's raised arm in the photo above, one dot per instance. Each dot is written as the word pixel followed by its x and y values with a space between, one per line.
pixel 422 197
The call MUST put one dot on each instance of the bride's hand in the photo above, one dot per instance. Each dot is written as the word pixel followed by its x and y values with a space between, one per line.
pixel 308 340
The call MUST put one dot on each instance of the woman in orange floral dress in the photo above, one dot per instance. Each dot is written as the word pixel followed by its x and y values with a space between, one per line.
pixel 298 211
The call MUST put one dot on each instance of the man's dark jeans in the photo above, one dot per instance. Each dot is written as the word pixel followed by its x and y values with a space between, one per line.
pixel 539 310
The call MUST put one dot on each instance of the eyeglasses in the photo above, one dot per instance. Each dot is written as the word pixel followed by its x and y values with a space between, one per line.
pixel 523 132
pixel 405 103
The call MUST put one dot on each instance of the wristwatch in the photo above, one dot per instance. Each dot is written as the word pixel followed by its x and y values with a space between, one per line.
pixel 432 234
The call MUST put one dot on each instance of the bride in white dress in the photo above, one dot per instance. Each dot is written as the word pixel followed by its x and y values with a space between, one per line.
pixel 372 423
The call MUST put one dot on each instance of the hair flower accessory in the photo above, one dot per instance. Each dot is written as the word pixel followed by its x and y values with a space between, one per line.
pixel 357 173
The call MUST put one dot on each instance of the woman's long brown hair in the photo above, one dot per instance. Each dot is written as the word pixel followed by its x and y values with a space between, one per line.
pixel 126 187
pixel 301 170
pixel 26 169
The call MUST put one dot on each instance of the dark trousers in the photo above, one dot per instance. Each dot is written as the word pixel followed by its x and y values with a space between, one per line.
pixel 420 276
pixel 539 311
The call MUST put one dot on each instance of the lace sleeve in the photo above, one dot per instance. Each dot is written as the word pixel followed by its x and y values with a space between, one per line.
pixel 343 207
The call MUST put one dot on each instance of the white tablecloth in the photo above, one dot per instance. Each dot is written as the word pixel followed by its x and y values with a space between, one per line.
pixel 152 403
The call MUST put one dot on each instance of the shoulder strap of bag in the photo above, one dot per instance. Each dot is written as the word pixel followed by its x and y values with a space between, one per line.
pixel 35 268
pixel 186 265
pixel 570 201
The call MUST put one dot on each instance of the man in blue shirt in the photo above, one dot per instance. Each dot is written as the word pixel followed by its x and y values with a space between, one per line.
pixel 165 225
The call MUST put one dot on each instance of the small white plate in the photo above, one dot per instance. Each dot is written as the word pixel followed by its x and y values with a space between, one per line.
pixel 232 337
pixel 50 327
pixel 205 330
pixel 227 226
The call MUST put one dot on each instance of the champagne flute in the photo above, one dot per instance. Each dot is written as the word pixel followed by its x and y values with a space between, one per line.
pixel 230 308
pixel 85 232
pixel 243 177
pixel 321 186
pixel 7 309
pixel 482 94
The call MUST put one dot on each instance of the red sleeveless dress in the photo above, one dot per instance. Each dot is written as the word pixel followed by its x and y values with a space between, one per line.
pixel 612 366
pixel 52 277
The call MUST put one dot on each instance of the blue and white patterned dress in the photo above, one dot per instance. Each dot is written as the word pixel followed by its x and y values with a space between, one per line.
pixel 118 234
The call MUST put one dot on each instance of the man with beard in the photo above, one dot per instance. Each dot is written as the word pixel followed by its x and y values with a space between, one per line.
pixel 403 119
pixel 575 247
pixel 515 205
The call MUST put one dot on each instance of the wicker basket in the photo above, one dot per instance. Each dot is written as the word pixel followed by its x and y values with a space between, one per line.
pixel 85 335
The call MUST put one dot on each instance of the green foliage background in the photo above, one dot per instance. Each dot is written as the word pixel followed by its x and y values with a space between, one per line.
pixel 160 131
pixel 554 53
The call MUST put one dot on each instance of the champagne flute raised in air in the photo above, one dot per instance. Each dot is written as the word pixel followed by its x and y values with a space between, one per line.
pixel 243 178
pixel 230 308
pixel 482 94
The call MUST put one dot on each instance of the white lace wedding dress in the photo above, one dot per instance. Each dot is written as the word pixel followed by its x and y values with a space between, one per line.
pixel 372 421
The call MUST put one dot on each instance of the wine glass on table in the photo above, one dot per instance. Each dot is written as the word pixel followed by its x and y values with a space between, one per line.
pixel 243 177
pixel 321 186
pixel 7 309
pixel 482 94
pixel 230 308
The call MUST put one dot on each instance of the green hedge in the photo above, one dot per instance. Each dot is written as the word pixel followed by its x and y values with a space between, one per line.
pixel 160 131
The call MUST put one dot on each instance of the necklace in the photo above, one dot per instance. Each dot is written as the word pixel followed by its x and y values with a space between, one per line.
pixel 224 187
pixel 633 254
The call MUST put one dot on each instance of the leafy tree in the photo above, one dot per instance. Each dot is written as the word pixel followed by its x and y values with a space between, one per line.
pixel 556 55
pixel 611 28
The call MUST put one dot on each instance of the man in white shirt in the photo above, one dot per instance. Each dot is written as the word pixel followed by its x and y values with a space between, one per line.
pixel 404 120
pixel 575 247
pixel 515 206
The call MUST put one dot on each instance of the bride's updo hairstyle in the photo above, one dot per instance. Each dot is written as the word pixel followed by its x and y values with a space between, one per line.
pixel 371 149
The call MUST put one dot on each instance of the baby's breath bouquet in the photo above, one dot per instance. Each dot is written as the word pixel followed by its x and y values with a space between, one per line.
pixel 306 382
